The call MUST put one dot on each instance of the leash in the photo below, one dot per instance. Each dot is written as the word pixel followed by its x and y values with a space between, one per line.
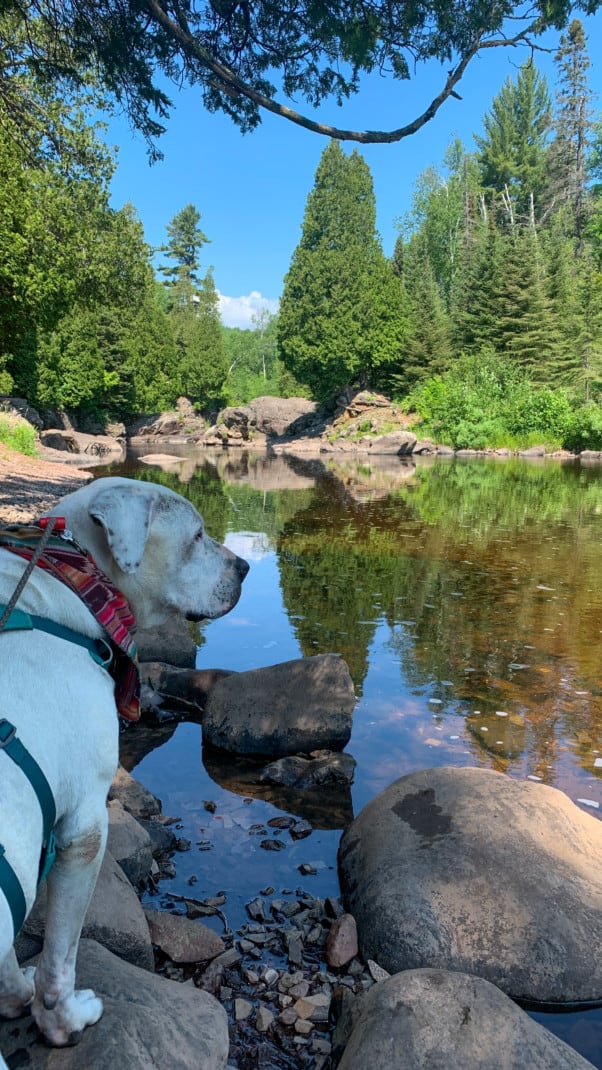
pixel 49 526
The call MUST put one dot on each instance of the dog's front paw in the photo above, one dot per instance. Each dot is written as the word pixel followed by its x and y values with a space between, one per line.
pixel 63 1023
pixel 18 1002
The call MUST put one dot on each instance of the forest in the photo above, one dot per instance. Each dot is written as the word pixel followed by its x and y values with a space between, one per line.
pixel 486 322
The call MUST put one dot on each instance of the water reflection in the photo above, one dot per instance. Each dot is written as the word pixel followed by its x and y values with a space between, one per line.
pixel 464 596
pixel 466 599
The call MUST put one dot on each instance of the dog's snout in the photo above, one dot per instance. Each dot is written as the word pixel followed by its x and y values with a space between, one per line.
pixel 242 567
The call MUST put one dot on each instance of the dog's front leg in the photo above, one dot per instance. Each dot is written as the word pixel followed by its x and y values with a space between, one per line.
pixel 60 1012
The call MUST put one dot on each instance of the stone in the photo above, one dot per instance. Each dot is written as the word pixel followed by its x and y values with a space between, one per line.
pixel 114 918
pixel 182 688
pixel 469 870
pixel 133 796
pixel 242 1009
pixel 171 643
pixel 432 1018
pixel 129 844
pixel 299 705
pixel 147 1021
pixel 341 945
pixel 397 442
pixel 181 939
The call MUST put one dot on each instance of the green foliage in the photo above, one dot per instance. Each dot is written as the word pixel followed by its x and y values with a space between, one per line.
pixel 585 429
pixel 485 400
pixel 235 55
pixel 342 317
pixel 19 436
pixel 512 152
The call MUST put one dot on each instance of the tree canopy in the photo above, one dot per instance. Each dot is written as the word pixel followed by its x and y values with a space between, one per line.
pixel 240 55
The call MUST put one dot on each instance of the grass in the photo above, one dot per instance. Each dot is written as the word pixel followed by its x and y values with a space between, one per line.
pixel 20 437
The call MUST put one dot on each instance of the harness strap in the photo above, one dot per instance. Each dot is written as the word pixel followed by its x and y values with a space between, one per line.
pixel 9 883
pixel 11 744
pixel 17 620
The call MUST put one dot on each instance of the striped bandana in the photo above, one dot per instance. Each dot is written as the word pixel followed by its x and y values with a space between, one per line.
pixel 67 562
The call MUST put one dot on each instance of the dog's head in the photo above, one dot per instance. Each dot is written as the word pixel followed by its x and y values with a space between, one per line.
pixel 152 544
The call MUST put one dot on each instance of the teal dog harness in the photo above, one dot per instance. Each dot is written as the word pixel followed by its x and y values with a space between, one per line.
pixel 9 882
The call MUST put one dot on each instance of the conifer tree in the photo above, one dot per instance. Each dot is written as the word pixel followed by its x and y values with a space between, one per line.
pixel 341 318
pixel 427 350
pixel 526 328
pixel 572 125
pixel 512 151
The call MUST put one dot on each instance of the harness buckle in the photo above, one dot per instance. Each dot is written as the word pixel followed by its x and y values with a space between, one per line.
pixel 7 732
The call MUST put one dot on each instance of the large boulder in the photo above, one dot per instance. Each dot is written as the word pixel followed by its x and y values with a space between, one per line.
pixel 129 844
pixel 432 1019
pixel 148 1021
pixel 468 870
pixel 114 917
pixel 267 416
pixel 398 443
pixel 300 705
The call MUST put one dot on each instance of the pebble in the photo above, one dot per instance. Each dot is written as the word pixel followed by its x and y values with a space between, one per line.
pixel 275 981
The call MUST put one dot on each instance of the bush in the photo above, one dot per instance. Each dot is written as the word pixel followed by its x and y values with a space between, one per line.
pixel 19 436
pixel 585 429
pixel 485 400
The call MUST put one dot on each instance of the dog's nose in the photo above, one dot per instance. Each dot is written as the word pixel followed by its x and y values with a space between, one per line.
pixel 242 567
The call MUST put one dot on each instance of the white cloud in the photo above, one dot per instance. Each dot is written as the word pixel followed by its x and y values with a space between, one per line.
pixel 239 311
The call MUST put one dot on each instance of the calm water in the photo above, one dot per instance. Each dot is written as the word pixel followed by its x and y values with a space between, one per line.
pixel 465 597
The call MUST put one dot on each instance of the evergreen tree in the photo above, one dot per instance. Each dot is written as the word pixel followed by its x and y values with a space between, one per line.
pixel 477 295
pixel 185 241
pixel 202 367
pixel 341 316
pixel 526 328
pixel 572 125
pixel 427 349
pixel 512 152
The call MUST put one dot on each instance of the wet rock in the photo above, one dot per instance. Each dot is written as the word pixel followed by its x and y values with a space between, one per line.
pixel 133 796
pixel 147 1021
pixel 295 706
pixel 182 688
pixel 114 918
pixel 330 769
pixel 162 840
pixel 328 806
pixel 129 844
pixel 469 870
pixel 181 939
pixel 433 1018
pixel 341 946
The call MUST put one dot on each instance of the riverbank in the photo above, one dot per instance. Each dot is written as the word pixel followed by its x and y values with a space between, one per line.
pixel 29 485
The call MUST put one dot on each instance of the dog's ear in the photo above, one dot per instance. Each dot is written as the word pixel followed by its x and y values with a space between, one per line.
pixel 125 515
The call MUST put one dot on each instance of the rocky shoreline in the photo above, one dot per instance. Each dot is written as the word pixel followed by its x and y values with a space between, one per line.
pixel 467 909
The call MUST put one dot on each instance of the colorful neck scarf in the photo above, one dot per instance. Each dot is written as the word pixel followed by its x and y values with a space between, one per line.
pixel 67 562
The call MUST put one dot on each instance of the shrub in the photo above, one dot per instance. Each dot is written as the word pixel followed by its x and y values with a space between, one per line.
pixel 585 429
pixel 18 436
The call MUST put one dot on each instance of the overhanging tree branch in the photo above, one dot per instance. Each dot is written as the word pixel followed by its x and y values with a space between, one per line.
pixel 228 82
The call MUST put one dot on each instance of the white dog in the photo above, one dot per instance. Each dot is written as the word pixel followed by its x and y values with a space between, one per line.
pixel 152 544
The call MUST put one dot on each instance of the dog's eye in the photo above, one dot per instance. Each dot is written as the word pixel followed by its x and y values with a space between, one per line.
pixel 199 534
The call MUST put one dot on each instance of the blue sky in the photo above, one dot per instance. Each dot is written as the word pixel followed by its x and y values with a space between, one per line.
pixel 251 189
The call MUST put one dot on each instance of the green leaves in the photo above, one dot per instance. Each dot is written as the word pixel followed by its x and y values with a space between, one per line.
pixel 342 315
